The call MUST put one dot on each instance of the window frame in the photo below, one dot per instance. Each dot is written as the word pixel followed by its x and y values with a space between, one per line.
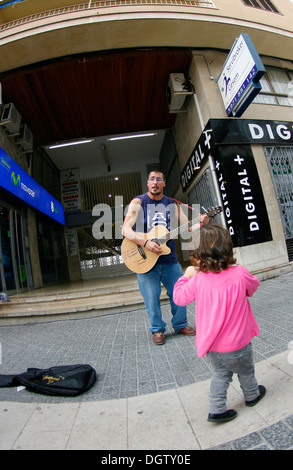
pixel 265 5
pixel 274 97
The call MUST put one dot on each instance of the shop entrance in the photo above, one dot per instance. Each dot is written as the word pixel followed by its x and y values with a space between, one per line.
pixel 15 272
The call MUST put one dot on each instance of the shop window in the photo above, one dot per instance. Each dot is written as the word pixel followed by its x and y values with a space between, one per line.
pixel 261 4
pixel 277 87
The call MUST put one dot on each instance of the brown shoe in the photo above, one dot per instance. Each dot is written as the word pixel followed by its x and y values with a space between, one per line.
pixel 159 338
pixel 187 330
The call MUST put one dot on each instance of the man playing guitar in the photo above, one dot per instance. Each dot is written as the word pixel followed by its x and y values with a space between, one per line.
pixel 145 212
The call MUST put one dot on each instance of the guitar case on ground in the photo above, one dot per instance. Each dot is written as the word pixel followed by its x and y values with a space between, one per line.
pixel 68 380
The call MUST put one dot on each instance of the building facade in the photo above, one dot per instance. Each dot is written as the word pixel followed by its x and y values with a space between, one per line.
pixel 95 71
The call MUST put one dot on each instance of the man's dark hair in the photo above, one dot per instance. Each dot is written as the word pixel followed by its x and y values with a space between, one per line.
pixel 156 170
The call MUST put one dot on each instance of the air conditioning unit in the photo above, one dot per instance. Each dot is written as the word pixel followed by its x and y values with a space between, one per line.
pixel 25 137
pixel 177 90
pixel 10 118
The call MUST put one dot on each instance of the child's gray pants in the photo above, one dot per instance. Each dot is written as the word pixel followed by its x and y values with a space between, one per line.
pixel 224 366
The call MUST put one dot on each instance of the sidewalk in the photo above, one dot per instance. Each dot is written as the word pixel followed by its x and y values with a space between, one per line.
pixel 147 397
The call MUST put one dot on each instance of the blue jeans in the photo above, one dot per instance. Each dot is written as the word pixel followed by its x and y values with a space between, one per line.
pixel 224 365
pixel 150 287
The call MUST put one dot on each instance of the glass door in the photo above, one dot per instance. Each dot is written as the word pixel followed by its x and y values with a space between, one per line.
pixel 21 270
pixel 15 271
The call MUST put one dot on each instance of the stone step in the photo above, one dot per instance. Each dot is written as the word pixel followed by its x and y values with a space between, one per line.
pixel 34 298
pixel 47 305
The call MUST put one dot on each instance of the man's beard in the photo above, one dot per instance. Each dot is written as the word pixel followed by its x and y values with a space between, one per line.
pixel 156 191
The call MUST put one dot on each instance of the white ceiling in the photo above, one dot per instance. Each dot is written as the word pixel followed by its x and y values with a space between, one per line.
pixel 116 152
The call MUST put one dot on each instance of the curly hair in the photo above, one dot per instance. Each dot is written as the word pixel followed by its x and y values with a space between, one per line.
pixel 215 250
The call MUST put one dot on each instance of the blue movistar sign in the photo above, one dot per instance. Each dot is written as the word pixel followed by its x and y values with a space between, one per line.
pixel 18 182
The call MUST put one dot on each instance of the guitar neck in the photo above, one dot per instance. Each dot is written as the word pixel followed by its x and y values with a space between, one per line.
pixel 183 228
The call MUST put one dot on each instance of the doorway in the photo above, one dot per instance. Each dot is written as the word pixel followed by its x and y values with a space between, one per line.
pixel 15 269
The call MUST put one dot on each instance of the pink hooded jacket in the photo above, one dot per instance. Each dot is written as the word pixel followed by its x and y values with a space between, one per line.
pixel 224 320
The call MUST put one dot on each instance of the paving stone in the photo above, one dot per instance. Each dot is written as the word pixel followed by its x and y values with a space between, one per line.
pixel 128 364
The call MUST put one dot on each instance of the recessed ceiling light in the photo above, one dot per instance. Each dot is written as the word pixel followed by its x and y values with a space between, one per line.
pixel 67 144
pixel 132 136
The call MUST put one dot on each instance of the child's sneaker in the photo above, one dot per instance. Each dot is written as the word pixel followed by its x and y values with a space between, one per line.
pixel 222 417
pixel 262 392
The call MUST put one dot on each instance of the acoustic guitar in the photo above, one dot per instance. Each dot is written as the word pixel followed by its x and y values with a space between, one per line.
pixel 141 260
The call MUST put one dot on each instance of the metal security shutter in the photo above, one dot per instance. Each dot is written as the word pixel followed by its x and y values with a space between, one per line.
pixel 204 194
pixel 102 257
pixel 104 190
pixel 99 258
pixel 280 162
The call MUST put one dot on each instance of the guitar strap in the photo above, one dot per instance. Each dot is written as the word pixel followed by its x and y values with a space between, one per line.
pixel 186 205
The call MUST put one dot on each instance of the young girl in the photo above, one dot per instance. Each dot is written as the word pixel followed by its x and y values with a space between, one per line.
pixel 225 324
